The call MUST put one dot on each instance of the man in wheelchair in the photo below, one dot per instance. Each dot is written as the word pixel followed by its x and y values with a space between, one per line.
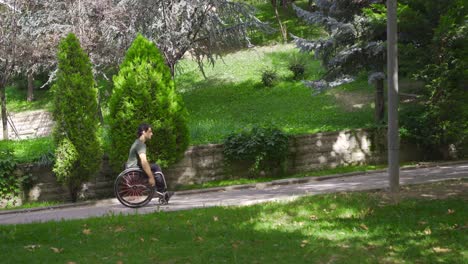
pixel 137 159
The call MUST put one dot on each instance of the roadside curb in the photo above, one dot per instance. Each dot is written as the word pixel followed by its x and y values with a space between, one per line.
pixel 259 186
pixel 314 178
pixel 52 207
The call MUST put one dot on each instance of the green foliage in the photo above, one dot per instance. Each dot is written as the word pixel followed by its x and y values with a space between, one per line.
pixel 17 99
pixel 440 118
pixel 67 162
pixel 297 64
pixel 36 150
pixel 262 148
pixel 75 112
pixel 144 92
pixel 269 77
pixel 10 185
pixel 294 26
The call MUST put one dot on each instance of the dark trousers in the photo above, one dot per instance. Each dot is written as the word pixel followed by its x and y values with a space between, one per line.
pixel 160 185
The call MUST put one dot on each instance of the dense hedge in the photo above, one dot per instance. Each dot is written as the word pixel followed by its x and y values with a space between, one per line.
pixel 144 92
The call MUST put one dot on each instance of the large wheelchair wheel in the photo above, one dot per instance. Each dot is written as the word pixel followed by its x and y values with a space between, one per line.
pixel 132 188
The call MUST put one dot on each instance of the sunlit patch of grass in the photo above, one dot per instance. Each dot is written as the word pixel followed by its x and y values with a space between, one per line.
pixel 29 150
pixel 275 232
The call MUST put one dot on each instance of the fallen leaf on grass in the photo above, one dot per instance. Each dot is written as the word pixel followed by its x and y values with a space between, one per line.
pixel 87 231
pixel 313 217
pixel 154 239
pixel 56 250
pixel 142 239
pixel 199 238
pixel 450 211
pixel 422 222
pixel 304 243
pixel 427 231
pixel 119 229
pixel 363 226
pixel 32 247
pixel 441 250
pixel 215 218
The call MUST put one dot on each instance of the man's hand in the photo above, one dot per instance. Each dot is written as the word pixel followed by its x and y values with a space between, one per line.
pixel 151 181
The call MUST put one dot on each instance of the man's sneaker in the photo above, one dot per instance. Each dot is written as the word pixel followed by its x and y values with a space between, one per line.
pixel 169 194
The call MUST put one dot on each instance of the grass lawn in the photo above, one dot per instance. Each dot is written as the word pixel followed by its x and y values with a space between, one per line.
pixel 29 150
pixel 233 97
pixel 16 99
pixel 340 228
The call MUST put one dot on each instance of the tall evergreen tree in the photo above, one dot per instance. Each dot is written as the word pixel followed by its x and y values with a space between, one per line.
pixel 144 92
pixel 354 44
pixel 75 115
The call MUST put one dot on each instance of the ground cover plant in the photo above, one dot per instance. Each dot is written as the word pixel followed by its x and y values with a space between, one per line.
pixel 428 225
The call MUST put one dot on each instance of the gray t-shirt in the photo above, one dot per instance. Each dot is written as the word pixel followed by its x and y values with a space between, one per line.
pixel 137 148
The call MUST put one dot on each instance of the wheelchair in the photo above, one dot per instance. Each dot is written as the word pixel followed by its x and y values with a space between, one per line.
pixel 133 190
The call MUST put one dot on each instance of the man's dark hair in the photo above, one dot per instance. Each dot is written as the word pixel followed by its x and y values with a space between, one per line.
pixel 143 127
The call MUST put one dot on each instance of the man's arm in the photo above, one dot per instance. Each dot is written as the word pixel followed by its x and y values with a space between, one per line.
pixel 147 168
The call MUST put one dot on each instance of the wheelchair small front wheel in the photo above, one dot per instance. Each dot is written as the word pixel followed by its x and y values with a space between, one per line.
pixel 132 188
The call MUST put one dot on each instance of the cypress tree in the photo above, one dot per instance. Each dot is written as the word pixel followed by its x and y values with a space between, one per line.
pixel 75 115
pixel 144 92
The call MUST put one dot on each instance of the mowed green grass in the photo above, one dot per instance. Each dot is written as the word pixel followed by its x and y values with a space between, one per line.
pixel 232 97
pixel 29 150
pixel 334 228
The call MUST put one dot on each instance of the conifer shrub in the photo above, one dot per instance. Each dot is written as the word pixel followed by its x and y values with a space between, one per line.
pixel 75 115
pixel 144 92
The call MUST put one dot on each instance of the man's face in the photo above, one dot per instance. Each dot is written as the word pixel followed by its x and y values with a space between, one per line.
pixel 148 133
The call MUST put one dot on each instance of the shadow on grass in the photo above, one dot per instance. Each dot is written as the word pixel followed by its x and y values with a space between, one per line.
pixel 338 228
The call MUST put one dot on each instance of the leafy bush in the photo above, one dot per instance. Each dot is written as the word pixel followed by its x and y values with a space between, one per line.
pixel 297 65
pixel 144 92
pixel 75 113
pixel 262 148
pixel 10 184
pixel 439 122
pixel 67 162
pixel 269 77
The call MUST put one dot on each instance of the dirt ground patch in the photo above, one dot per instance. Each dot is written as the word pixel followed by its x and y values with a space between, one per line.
pixel 430 191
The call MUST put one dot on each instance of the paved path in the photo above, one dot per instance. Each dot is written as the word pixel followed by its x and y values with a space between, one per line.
pixel 262 193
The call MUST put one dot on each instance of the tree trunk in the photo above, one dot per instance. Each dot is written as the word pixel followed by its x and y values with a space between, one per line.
pixel 4 110
pixel 99 110
pixel 284 34
pixel 30 87
pixel 379 102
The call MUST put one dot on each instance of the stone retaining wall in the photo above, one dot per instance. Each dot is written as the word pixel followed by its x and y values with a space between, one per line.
pixel 205 163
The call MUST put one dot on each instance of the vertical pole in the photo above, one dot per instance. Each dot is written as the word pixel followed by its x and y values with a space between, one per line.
pixel 392 76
